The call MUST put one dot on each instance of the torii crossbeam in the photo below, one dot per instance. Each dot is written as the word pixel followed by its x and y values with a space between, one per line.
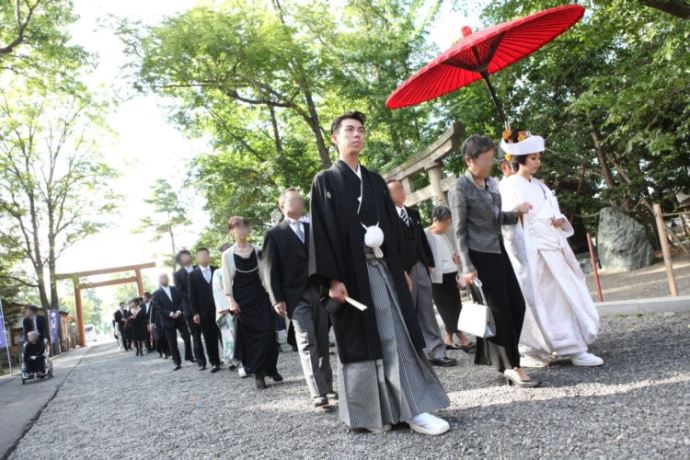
pixel 78 286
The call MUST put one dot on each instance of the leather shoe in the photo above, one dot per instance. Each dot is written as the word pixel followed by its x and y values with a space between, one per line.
pixel 260 383
pixel 444 362
pixel 177 368
pixel 277 377
pixel 215 369
pixel 320 401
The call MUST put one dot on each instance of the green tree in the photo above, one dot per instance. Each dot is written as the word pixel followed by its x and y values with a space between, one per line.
pixel 168 213
pixel 54 187
pixel 613 98
pixel 34 41
pixel 259 79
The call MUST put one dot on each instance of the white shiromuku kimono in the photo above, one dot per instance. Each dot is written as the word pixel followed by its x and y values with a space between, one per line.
pixel 561 317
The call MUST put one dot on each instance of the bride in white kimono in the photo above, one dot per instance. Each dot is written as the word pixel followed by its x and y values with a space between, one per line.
pixel 561 317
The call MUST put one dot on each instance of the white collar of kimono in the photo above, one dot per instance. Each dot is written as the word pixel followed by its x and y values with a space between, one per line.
pixel 533 144
pixel 358 171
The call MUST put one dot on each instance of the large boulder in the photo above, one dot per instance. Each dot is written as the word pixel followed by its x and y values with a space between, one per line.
pixel 622 242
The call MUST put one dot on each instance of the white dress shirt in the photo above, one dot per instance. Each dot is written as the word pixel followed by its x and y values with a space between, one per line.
pixel 206 271
pixel 297 227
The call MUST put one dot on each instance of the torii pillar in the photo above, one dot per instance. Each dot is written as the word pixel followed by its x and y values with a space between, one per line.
pixel 78 286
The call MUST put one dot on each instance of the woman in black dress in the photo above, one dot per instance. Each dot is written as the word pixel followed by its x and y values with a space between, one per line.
pixel 475 203
pixel 255 340
pixel 137 325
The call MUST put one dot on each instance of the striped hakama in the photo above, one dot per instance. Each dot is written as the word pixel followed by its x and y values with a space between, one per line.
pixel 400 386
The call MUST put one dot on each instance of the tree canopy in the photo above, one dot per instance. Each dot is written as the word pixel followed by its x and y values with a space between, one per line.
pixel 264 79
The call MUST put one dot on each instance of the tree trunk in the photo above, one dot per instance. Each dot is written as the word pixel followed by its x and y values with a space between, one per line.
pixel 601 155
pixel 172 241
pixel 316 128
pixel 52 263
pixel 677 8
pixel 38 257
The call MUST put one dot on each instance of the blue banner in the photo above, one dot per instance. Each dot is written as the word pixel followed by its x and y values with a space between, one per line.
pixel 54 321
pixel 3 333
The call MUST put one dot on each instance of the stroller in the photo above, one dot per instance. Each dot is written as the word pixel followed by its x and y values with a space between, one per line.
pixel 36 363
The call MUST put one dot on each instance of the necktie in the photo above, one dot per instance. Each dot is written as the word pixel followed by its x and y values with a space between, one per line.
pixel 207 275
pixel 405 218
pixel 298 230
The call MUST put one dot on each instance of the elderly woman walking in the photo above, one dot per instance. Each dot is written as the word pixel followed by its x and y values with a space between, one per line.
pixel 476 208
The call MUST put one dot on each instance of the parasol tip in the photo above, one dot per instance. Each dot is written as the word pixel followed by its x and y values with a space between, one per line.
pixel 466 30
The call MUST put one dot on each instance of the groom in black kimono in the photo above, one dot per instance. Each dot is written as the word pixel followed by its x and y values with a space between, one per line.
pixel 355 247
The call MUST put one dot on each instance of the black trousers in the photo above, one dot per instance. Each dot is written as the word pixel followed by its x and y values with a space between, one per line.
pixel 507 305
pixel 447 300
pixel 198 348
pixel 171 338
pixel 291 340
pixel 126 338
pixel 209 329
pixel 161 341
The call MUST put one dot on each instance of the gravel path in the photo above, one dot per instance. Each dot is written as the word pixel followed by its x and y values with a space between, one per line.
pixel 643 283
pixel 637 405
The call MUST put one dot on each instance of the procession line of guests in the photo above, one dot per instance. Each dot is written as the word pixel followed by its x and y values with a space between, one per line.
pixel 363 264
pixel 137 326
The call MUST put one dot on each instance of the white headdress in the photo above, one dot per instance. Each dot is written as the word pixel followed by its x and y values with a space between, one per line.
pixel 531 144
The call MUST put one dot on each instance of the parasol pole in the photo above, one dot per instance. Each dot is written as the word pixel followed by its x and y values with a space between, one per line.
pixel 497 102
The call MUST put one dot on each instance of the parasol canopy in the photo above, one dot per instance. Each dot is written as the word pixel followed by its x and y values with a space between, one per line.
pixel 479 54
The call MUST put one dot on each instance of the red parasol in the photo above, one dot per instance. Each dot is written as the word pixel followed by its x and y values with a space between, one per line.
pixel 478 55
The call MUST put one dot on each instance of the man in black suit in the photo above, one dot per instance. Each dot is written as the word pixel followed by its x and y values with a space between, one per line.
pixel 181 278
pixel 150 326
pixel 159 333
pixel 34 322
pixel 203 306
pixel 286 265
pixel 121 316
pixel 417 262
pixel 169 303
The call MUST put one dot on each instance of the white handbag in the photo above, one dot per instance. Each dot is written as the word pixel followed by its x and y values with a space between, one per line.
pixel 476 318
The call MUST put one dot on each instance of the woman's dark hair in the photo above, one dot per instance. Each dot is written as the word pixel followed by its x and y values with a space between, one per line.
pixel 475 145
pixel 441 213
pixel 359 116
pixel 519 160
pixel 235 220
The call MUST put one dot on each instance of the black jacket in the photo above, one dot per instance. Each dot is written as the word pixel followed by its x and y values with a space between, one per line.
pixel 28 325
pixel 165 306
pixel 417 245
pixel 119 317
pixel 285 261
pixel 336 252
pixel 201 295
pixel 181 279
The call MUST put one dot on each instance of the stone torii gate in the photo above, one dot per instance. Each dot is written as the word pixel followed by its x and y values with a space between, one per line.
pixel 78 286
pixel 431 162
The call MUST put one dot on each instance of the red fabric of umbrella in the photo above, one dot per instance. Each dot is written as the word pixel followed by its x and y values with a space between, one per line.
pixel 478 55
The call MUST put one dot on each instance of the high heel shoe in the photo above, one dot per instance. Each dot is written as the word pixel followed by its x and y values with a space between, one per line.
pixel 512 378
